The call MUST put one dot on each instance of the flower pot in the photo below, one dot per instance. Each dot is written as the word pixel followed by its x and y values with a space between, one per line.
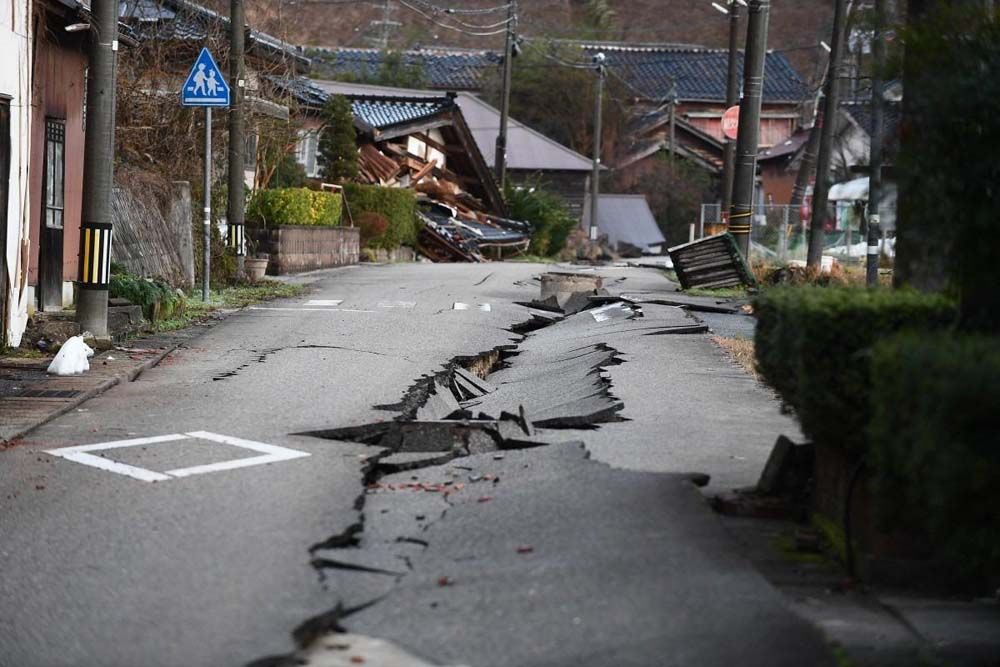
pixel 255 268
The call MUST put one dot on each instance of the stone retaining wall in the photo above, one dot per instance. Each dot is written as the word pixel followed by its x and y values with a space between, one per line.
pixel 296 249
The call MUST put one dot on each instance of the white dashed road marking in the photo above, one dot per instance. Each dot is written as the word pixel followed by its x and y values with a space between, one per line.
pixel 396 304
pixel 324 302
pixel 269 454
pixel 485 307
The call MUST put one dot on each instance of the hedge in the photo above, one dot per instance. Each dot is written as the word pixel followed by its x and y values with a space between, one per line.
pixel 813 344
pixel 294 206
pixel 397 205
pixel 935 442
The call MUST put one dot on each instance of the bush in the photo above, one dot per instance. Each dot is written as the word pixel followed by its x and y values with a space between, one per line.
pixel 814 345
pixel 550 220
pixel 294 206
pixel 156 297
pixel 371 226
pixel 397 205
pixel 935 442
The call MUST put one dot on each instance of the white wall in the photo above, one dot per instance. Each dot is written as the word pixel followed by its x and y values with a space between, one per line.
pixel 14 82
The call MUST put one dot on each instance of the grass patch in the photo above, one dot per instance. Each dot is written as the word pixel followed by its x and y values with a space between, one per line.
pixel 741 352
pixel 722 292
pixel 22 353
pixel 234 297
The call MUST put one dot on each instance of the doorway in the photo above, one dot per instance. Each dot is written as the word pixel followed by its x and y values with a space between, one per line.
pixel 50 257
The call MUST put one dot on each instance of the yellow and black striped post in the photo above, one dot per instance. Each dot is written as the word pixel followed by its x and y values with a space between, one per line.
pixel 237 239
pixel 95 255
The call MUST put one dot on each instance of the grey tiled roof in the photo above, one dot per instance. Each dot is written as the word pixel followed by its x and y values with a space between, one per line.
pixel 649 69
pixel 183 20
pixel 448 69
pixel 700 74
pixel 383 112
pixel 376 111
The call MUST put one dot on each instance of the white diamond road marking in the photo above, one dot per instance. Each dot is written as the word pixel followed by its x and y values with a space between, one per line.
pixel 396 304
pixel 324 302
pixel 269 454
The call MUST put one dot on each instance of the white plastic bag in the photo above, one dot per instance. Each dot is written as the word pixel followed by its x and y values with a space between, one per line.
pixel 72 358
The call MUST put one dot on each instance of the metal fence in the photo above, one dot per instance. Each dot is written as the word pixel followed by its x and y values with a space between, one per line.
pixel 777 234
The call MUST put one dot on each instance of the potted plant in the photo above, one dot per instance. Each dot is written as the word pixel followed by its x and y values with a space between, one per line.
pixel 255 264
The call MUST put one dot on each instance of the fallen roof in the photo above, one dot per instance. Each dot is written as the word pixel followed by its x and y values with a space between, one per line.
pixel 626 218
pixel 383 113
pixel 527 149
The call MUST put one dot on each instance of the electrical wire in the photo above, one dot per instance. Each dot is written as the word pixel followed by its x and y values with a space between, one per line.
pixel 433 20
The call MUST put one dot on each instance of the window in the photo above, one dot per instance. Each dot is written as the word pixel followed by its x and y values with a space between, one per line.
pixel 55 172
pixel 306 150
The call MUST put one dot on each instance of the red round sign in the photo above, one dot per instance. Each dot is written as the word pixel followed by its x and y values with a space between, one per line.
pixel 731 122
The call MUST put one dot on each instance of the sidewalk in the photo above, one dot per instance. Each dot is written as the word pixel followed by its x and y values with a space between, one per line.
pixel 30 397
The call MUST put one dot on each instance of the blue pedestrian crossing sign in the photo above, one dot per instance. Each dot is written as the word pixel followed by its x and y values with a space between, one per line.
pixel 205 86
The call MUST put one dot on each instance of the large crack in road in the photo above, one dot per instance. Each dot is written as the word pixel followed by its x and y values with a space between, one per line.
pixel 486 426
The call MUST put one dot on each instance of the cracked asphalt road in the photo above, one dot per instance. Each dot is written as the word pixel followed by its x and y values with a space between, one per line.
pixel 99 568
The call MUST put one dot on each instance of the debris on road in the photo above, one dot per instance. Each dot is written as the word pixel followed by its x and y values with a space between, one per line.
pixel 711 262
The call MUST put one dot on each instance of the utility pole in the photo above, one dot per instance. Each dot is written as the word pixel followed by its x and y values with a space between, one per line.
pixel 732 99
pixel 98 171
pixel 595 179
pixel 745 172
pixel 673 130
pixel 878 130
pixel 830 108
pixel 237 201
pixel 500 158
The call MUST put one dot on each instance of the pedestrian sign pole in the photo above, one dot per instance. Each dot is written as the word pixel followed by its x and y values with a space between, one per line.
pixel 206 87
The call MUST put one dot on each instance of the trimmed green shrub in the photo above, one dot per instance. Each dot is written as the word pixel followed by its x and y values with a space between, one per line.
pixel 550 220
pixel 813 345
pixel 935 442
pixel 147 293
pixel 294 206
pixel 397 205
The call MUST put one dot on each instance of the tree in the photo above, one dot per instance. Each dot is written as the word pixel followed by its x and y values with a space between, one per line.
pixel 338 151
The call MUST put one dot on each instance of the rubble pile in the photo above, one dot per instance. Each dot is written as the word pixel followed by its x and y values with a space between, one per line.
pixel 456 226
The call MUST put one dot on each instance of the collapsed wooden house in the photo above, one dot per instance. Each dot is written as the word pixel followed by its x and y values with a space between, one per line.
pixel 422 143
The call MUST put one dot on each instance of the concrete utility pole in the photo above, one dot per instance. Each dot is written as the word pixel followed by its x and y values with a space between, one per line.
pixel 500 158
pixel 98 171
pixel 830 108
pixel 237 74
pixel 745 173
pixel 732 99
pixel 673 129
pixel 595 179
pixel 878 131
pixel 237 201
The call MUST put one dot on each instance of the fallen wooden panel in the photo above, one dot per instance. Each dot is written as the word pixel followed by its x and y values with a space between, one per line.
pixel 711 262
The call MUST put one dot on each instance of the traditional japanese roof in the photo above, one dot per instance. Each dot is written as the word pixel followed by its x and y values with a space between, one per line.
pixel 626 219
pixel 700 74
pixel 443 69
pixel 650 70
pixel 786 148
pixel 382 113
pixel 186 21
pixel 527 150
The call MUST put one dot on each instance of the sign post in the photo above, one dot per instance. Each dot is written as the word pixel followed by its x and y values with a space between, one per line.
pixel 206 87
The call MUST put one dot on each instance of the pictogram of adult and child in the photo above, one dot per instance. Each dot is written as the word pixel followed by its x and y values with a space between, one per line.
pixel 205 85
